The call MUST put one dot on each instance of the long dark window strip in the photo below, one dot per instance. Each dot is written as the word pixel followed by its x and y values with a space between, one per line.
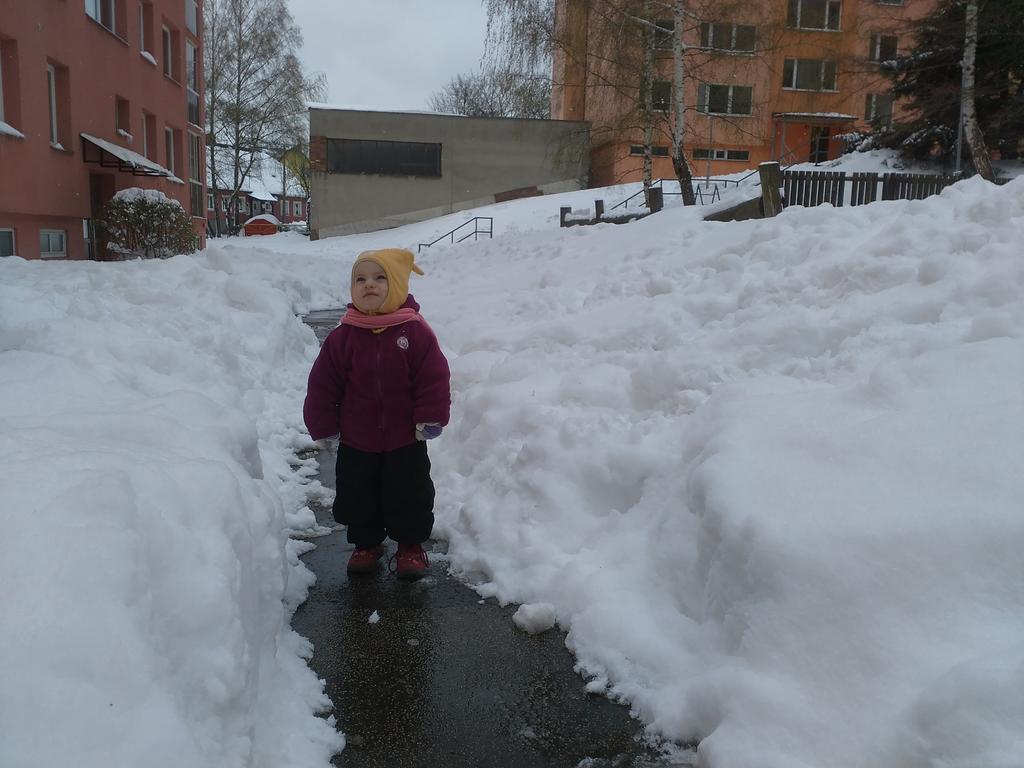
pixel 389 158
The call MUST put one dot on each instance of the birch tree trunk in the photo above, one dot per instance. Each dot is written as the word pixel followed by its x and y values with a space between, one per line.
pixel 647 108
pixel 972 130
pixel 679 162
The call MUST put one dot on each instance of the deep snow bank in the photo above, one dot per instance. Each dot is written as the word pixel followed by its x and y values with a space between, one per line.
pixel 766 473
pixel 147 413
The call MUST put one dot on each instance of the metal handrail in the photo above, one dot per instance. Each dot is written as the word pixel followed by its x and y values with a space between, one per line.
pixel 658 183
pixel 475 234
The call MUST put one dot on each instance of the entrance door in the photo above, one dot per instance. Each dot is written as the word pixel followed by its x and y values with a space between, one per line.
pixel 101 190
pixel 819 144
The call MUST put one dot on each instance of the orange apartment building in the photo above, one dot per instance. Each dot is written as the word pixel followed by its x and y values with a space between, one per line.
pixel 96 96
pixel 765 80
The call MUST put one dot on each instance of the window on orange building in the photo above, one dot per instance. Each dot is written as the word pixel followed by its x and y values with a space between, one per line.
pixel 883 48
pixel 661 95
pixel 718 36
pixel 656 151
pixel 815 14
pixel 663 35
pixel 713 99
pixel 739 155
pixel 809 75
pixel 878 108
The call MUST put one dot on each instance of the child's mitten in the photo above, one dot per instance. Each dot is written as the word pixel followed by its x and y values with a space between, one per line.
pixel 428 431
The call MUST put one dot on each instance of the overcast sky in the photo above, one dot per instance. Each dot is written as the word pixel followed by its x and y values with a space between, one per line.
pixel 389 54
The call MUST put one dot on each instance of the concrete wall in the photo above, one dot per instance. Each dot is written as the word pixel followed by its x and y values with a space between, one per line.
pixel 480 158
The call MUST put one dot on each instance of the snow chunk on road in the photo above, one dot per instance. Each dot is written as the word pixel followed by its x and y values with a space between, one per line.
pixel 535 618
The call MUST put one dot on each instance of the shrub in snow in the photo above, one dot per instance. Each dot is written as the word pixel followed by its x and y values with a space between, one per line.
pixel 145 223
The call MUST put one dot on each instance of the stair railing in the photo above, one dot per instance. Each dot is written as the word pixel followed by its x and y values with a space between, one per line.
pixel 482 225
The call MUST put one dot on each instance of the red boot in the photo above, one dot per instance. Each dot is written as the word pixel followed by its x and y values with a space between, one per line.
pixel 365 560
pixel 411 562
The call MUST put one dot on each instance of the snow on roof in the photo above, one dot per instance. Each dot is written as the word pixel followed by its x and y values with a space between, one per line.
pixel 360 108
pixel 263 182
pixel 133 159
pixel 270 178
pixel 815 115
pixel 10 130
pixel 268 217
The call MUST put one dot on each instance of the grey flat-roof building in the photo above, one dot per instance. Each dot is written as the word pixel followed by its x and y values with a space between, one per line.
pixel 374 170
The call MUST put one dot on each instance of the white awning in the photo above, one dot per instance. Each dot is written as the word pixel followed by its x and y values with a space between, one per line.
pixel 110 155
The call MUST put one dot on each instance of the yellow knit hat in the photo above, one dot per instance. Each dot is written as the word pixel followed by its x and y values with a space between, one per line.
pixel 397 263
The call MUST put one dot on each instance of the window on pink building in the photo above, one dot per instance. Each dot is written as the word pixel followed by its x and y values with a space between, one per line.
pixel 192 16
pixel 149 136
pixel 169 152
pixel 195 162
pixel 122 116
pixel 192 82
pixel 9 82
pixel 108 13
pixel 146 27
pixel 53 243
pixel 58 99
pixel 7 242
pixel 172 53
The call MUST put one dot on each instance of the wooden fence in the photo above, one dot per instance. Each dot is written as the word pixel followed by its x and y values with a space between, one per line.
pixel 818 187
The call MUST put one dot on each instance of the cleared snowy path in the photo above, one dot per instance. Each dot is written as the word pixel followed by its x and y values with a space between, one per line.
pixel 444 678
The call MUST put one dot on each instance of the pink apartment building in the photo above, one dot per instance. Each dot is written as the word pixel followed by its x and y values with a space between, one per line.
pixel 96 96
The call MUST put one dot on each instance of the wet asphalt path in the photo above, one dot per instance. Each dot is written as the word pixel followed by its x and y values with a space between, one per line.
pixel 445 678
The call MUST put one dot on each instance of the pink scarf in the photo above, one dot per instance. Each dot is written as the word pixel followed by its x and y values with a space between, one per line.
pixel 378 323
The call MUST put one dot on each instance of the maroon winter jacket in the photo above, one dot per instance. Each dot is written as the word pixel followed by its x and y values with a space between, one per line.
pixel 374 388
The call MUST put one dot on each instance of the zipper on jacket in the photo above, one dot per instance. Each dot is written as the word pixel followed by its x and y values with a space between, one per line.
pixel 380 388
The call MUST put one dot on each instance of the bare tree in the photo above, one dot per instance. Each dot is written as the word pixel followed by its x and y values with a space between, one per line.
pixel 296 162
pixel 494 92
pixel 971 128
pixel 256 89
pixel 620 60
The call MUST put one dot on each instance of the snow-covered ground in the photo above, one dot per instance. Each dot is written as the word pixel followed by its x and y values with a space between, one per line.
pixel 766 475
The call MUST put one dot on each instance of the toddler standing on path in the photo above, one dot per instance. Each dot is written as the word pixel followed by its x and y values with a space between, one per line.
pixel 382 385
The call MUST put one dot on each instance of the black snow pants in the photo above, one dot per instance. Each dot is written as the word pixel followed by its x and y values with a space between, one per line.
pixel 383 495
